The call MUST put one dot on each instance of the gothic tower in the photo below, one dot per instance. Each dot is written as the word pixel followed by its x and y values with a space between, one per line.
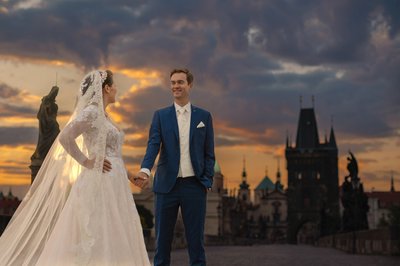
pixel 313 193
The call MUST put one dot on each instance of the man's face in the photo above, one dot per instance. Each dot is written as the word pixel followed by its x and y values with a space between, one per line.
pixel 180 87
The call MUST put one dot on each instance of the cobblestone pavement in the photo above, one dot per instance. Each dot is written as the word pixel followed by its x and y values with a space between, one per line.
pixel 282 255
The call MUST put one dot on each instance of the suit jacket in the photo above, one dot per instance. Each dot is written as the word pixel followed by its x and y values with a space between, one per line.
pixel 164 138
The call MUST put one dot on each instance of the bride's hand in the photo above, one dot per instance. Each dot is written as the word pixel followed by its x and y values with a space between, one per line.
pixel 89 163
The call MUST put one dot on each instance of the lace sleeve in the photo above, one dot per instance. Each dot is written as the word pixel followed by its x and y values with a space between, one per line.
pixel 82 123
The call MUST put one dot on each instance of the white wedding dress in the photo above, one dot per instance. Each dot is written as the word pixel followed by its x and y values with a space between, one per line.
pixel 74 215
pixel 99 224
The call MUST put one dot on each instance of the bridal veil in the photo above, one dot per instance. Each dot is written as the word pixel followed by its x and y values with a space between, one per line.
pixel 25 236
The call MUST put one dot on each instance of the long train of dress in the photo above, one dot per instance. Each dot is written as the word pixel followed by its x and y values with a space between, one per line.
pixel 106 232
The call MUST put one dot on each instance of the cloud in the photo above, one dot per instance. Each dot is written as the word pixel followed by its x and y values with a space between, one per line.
pixel 7 91
pixel 13 136
pixel 251 62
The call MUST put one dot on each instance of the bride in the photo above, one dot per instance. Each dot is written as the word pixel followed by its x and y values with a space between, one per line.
pixel 75 213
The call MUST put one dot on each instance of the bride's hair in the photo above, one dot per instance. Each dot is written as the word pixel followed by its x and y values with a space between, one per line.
pixel 109 80
pixel 88 81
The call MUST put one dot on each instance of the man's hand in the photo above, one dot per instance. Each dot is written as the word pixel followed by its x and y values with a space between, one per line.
pixel 140 180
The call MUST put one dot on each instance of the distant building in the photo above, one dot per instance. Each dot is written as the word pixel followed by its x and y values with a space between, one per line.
pixel 380 203
pixel 313 200
pixel 8 205
pixel 266 186
pixel 269 213
pixel 263 221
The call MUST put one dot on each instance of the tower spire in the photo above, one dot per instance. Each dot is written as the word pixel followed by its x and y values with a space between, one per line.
pixel 287 138
pixel 278 173
pixel 332 139
pixel 244 174
pixel 392 184
pixel 244 184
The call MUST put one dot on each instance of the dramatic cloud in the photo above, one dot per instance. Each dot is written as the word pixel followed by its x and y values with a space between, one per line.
pixel 252 61
pixel 12 136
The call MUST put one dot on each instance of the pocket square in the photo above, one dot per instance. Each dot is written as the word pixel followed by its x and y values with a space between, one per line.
pixel 201 124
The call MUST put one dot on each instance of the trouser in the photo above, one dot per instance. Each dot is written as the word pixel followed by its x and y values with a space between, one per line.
pixel 190 195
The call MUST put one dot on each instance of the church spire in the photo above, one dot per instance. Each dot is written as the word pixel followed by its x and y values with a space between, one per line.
pixel 244 184
pixel 10 194
pixel 244 173
pixel 332 139
pixel 287 139
pixel 278 173
pixel 392 184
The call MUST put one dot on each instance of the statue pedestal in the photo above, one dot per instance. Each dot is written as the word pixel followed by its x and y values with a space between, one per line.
pixel 35 166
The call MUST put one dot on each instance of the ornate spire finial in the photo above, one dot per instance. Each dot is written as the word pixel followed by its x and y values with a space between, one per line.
pixel 392 184
pixel 278 173
pixel 287 138
pixel 244 174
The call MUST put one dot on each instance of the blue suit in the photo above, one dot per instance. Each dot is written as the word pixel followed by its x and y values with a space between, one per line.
pixel 190 194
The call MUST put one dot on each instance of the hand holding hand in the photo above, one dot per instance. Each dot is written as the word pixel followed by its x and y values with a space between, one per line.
pixel 140 180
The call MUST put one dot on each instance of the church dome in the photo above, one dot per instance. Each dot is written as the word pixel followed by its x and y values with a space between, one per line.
pixel 266 184
pixel 217 168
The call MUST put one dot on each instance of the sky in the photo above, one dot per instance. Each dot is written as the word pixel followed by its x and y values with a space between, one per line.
pixel 252 61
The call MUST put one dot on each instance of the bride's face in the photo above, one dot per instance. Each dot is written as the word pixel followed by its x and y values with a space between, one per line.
pixel 110 93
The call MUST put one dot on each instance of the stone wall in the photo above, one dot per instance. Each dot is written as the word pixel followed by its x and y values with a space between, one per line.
pixel 384 241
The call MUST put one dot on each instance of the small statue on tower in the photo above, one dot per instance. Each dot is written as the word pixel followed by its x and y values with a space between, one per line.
pixel 354 200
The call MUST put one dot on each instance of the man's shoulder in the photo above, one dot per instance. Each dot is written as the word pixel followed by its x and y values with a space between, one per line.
pixel 164 109
pixel 201 110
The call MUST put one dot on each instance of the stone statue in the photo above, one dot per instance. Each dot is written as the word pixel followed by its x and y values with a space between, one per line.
pixel 48 129
pixel 354 200
pixel 352 167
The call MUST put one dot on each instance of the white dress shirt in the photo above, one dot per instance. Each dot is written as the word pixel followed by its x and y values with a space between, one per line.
pixel 183 115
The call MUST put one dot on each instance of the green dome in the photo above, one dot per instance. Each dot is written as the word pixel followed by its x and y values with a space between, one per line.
pixel 217 168
pixel 266 184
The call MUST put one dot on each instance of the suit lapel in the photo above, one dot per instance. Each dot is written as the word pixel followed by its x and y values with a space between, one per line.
pixel 174 122
pixel 193 120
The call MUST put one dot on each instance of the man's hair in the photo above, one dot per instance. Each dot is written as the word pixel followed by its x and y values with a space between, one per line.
pixel 189 75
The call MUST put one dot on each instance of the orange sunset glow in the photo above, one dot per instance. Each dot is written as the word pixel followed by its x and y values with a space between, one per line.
pixel 250 73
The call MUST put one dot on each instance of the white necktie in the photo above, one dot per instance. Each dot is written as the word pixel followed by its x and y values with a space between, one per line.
pixel 182 120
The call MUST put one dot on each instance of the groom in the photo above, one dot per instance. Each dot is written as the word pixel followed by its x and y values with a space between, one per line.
pixel 183 135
